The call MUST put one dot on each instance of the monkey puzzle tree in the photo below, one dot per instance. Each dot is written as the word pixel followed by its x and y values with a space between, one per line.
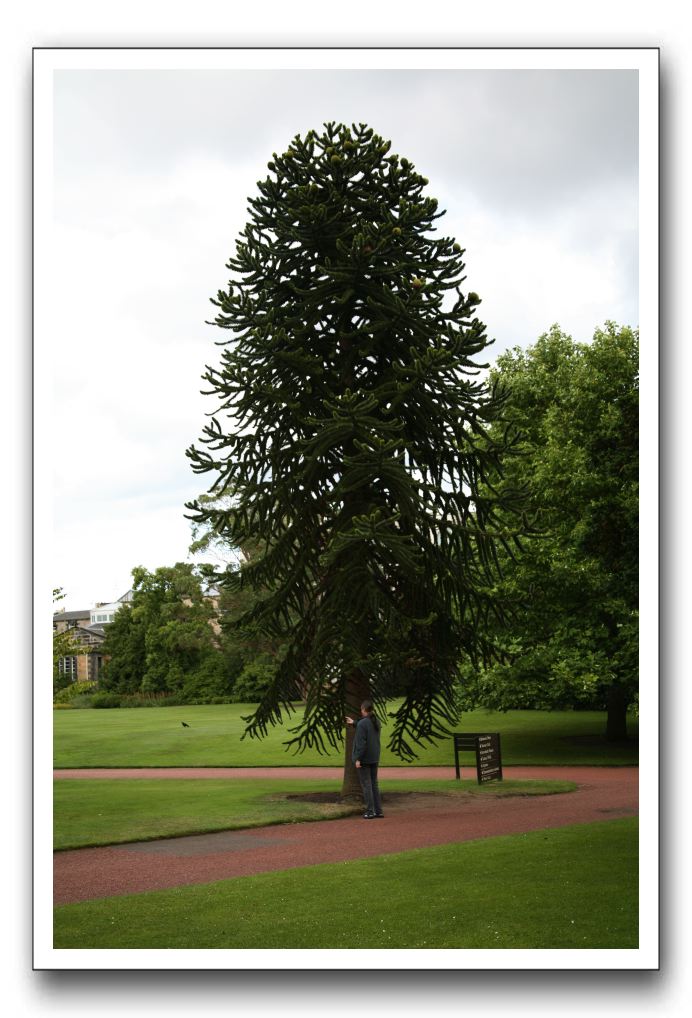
pixel 355 443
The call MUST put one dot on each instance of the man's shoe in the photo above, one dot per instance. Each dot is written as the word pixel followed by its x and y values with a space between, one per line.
pixel 379 816
pixel 368 816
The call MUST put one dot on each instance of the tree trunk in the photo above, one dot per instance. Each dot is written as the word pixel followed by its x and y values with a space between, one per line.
pixel 357 690
pixel 616 725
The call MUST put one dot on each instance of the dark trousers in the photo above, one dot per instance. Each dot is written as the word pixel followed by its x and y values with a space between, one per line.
pixel 367 774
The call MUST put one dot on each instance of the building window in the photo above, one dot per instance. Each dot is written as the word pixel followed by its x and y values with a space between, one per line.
pixel 68 666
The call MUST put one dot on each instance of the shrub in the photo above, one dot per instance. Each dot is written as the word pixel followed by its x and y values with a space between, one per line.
pixel 134 700
pixel 140 699
pixel 75 689
pixel 81 701
pixel 105 700
pixel 211 678
pixel 63 706
pixel 144 699
pixel 254 680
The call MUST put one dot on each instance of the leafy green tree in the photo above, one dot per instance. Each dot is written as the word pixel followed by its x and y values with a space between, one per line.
pixel 125 651
pixel 163 641
pixel 355 441
pixel 573 639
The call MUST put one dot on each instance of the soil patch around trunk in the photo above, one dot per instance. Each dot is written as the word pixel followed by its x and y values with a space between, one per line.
pixel 396 800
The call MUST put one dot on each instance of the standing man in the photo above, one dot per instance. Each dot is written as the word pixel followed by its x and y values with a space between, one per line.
pixel 366 757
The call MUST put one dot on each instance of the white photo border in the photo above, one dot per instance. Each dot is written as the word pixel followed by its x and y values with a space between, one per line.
pixel 643 60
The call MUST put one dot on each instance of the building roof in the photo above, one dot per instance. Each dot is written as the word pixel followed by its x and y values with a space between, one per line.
pixel 95 627
pixel 113 605
pixel 91 635
pixel 84 613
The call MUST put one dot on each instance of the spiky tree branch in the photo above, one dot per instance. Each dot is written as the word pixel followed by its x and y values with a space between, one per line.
pixel 356 439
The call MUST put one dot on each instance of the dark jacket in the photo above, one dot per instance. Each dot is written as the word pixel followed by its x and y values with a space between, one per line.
pixel 366 745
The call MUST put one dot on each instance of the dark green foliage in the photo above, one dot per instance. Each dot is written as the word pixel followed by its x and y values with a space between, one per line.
pixel 62 681
pixel 574 638
pixel 125 645
pixel 355 441
pixel 255 680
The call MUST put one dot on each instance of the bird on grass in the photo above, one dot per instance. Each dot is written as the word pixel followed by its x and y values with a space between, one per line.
pixel 184 724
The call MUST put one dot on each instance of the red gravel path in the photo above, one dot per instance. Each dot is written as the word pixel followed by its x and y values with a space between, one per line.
pixel 603 793
pixel 290 773
pixel 590 774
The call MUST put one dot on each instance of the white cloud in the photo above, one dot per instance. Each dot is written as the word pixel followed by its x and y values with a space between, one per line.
pixel 93 555
pixel 529 279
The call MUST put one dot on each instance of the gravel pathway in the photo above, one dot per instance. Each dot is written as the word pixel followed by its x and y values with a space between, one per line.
pixel 604 793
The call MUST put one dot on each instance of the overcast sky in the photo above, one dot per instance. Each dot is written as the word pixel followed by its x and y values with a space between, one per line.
pixel 537 171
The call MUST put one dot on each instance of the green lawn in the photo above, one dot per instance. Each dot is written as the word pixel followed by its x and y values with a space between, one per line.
pixel 572 887
pixel 103 812
pixel 154 737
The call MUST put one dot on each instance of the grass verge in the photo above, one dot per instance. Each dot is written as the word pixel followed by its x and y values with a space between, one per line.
pixel 99 811
pixel 571 887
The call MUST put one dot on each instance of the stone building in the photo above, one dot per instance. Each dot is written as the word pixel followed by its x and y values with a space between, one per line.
pixel 86 628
